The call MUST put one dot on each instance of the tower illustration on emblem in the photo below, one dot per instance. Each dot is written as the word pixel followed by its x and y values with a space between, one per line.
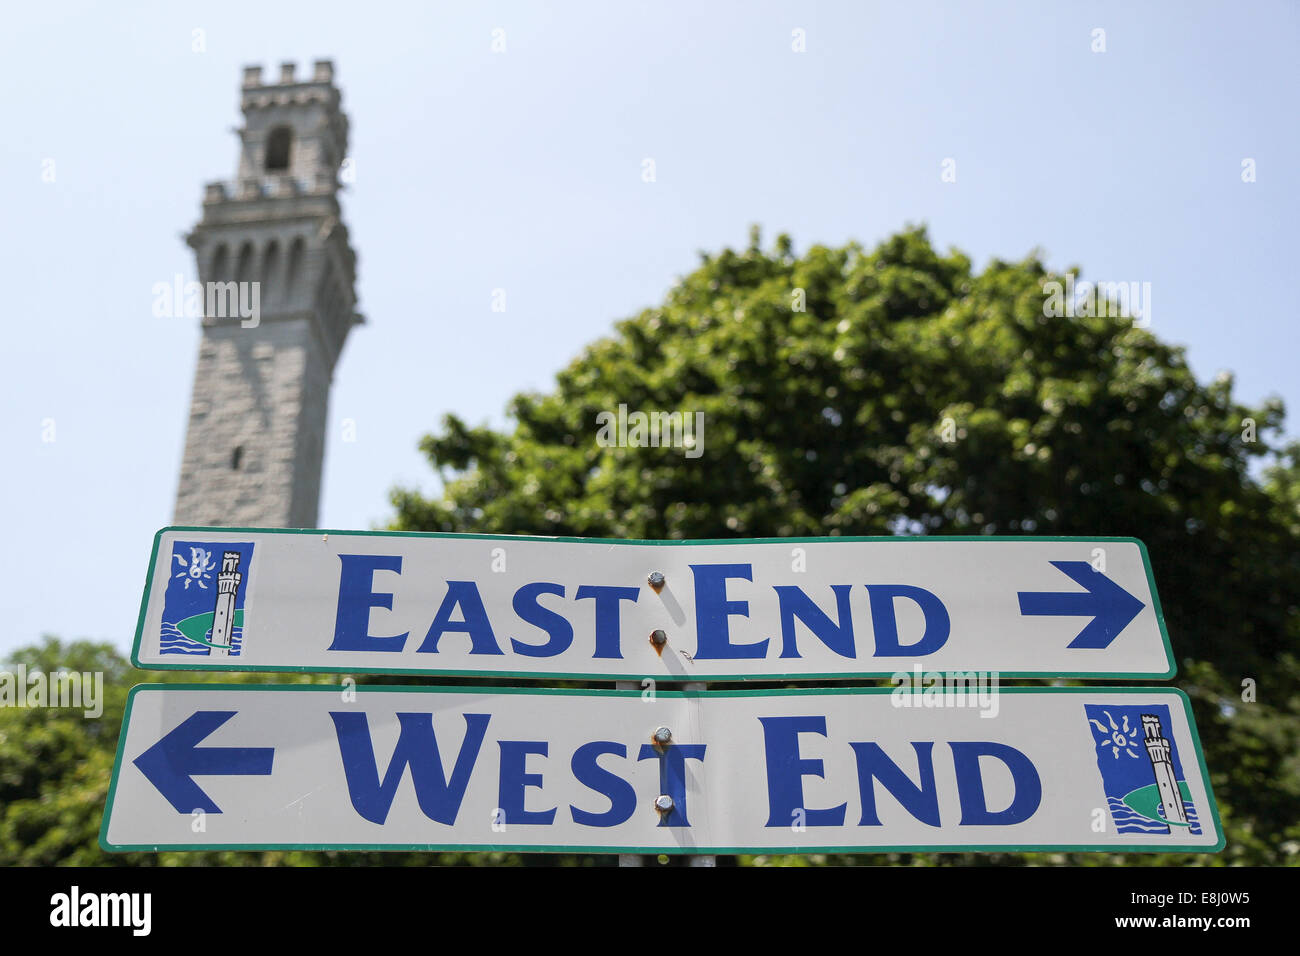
pixel 223 615
pixel 1171 800
pixel 203 607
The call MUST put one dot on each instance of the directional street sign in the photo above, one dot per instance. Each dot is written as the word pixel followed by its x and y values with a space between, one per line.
pixel 848 769
pixel 350 602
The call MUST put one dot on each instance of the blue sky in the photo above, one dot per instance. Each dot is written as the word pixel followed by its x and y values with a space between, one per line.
pixel 521 171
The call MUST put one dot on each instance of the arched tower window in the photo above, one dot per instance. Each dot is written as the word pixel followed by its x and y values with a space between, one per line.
pixel 220 264
pixel 278 146
pixel 237 458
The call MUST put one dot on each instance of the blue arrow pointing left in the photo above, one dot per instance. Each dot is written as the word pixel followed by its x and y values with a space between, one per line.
pixel 172 763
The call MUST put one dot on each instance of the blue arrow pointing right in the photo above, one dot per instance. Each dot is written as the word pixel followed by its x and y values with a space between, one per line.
pixel 172 763
pixel 1109 605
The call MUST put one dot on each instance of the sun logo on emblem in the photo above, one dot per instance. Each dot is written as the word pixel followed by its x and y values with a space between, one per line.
pixel 199 567
pixel 1118 737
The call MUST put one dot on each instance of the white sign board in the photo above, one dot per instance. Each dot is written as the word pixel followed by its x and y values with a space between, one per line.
pixel 351 602
pixel 537 607
pixel 315 766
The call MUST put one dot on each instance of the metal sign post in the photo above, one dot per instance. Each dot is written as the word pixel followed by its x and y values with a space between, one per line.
pixel 629 859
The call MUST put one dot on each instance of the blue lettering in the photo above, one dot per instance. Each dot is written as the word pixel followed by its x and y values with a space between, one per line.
pixel 786 770
pixel 474 622
pixel 795 604
pixel 621 796
pixel 883 618
pixel 607 625
pixel 417 747
pixel 530 611
pixel 712 609
pixel 672 776
pixel 1027 787
pixel 921 801
pixel 356 597
pixel 515 780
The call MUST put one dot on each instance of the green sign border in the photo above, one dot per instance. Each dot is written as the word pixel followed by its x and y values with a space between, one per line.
pixel 712 678
pixel 727 850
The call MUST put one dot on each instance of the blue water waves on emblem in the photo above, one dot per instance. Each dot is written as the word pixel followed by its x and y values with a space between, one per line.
pixel 203 606
pixel 1141 772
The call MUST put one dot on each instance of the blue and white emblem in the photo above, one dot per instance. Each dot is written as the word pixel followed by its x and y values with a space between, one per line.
pixel 203 606
pixel 1141 773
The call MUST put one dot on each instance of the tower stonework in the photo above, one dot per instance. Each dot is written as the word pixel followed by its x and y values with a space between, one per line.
pixel 278 275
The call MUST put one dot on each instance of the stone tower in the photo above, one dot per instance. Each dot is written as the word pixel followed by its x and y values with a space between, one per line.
pixel 278 276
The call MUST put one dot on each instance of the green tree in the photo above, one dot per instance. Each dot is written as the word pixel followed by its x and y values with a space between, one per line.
pixel 854 392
